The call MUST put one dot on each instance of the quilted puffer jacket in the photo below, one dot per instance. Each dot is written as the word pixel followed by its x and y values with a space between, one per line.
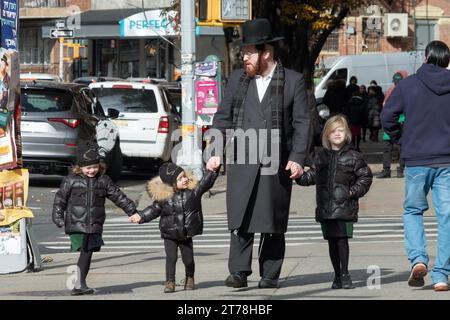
pixel 79 204
pixel 180 211
pixel 341 177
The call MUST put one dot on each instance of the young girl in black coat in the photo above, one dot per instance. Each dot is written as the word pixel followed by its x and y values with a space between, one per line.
pixel 177 201
pixel 341 177
pixel 79 205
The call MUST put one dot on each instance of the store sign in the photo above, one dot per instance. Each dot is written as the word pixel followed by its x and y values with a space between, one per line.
pixel 150 23
pixel 9 11
pixel 207 96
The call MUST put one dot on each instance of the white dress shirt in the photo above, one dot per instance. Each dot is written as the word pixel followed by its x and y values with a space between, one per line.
pixel 262 83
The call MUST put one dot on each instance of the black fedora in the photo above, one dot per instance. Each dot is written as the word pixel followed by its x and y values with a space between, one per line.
pixel 257 31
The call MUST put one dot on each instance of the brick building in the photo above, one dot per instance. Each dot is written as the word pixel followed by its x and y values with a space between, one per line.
pixel 370 29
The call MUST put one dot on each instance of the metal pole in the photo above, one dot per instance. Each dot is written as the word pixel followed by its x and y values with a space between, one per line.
pixel 191 156
pixel 61 58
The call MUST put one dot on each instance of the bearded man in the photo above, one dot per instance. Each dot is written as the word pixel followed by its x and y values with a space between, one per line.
pixel 268 101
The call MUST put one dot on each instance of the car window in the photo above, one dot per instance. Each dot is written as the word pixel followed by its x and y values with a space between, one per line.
pixel 127 99
pixel 174 97
pixel 48 100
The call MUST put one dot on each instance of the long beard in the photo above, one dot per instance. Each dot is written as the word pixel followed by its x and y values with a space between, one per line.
pixel 252 69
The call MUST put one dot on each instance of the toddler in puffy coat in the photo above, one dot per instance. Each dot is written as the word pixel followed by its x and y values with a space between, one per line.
pixel 177 201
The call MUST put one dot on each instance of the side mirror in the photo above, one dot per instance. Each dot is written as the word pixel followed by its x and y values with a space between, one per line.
pixel 113 113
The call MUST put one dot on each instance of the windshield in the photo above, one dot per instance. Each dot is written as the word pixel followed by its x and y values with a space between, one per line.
pixel 319 74
pixel 127 100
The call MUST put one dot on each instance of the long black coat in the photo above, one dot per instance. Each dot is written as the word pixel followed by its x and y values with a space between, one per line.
pixel 341 178
pixel 180 212
pixel 264 199
pixel 80 203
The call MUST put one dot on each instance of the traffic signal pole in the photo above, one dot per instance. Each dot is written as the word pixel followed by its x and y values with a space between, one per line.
pixel 191 154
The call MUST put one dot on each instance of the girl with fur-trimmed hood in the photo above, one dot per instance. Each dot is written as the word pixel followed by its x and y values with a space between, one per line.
pixel 177 198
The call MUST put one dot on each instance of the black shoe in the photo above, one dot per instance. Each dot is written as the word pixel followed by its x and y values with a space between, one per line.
pixel 337 283
pixel 384 174
pixel 82 291
pixel 236 280
pixel 265 283
pixel 347 281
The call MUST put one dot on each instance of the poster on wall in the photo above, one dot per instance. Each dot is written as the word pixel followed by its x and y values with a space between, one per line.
pixel 10 142
pixel 13 197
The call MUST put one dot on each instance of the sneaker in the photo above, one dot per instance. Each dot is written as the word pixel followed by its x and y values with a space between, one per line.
pixel 265 283
pixel 347 281
pixel 81 291
pixel 169 287
pixel 337 283
pixel 189 283
pixel 418 272
pixel 386 173
pixel 441 286
pixel 236 280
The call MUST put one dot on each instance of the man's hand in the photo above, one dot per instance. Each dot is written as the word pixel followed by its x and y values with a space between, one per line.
pixel 135 218
pixel 296 169
pixel 213 164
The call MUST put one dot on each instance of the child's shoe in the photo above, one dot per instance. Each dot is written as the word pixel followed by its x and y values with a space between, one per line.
pixel 82 291
pixel 347 281
pixel 337 283
pixel 189 283
pixel 169 287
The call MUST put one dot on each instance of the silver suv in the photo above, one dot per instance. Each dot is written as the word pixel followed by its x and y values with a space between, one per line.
pixel 54 116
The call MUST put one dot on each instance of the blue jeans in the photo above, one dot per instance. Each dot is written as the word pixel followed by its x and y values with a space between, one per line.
pixel 418 181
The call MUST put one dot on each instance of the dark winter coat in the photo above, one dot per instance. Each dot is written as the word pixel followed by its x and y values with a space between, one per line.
pixel 424 99
pixel 257 201
pixel 80 203
pixel 354 111
pixel 374 112
pixel 341 177
pixel 180 211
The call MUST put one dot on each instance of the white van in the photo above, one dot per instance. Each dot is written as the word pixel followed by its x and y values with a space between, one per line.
pixel 146 119
pixel 366 67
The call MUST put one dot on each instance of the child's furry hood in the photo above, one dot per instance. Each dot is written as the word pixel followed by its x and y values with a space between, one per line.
pixel 159 191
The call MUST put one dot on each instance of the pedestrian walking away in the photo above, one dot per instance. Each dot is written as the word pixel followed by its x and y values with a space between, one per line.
pixel 177 198
pixel 423 99
pixel 264 98
pixel 341 177
pixel 79 206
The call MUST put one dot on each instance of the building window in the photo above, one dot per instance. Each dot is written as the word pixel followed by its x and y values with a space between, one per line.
pixel 42 3
pixel 332 43
pixel 371 36
pixel 32 48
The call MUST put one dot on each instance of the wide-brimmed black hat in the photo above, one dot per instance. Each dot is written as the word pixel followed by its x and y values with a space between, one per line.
pixel 257 31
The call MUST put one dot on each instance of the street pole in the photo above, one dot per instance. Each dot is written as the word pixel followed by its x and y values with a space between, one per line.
pixel 191 154
pixel 61 58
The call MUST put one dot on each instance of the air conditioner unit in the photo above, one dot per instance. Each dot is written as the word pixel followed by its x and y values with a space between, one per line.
pixel 396 25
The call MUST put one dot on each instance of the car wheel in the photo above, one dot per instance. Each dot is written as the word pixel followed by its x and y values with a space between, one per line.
pixel 114 169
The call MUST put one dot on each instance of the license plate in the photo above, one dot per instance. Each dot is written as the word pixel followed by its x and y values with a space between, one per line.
pixel 121 123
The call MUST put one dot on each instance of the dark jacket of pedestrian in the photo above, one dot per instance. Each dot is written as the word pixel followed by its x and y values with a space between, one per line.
pixel 80 203
pixel 341 177
pixel 336 96
pixel 180 211
pixel 355 110
pixel 424 99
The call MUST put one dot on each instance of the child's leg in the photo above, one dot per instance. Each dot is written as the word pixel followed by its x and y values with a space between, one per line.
pixel 84 263
pixel 187 254
pixel 334 255
pixel 171 248
pixel 344 252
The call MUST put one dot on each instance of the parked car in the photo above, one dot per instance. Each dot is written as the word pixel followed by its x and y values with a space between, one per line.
pixel 39 76
pixel 146 120
pixel 54 116
pixel 89 80
pixel 147 80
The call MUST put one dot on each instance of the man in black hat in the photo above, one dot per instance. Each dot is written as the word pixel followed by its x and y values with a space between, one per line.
pixel 262 96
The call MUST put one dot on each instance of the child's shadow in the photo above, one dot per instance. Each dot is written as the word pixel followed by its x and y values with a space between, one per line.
pixel 125 288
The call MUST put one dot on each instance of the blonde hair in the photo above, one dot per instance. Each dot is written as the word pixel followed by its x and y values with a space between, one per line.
pixel 331 125
pixel 101 170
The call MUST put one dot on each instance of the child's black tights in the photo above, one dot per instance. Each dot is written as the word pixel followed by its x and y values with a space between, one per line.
pixel 187 255
pixel 84 263
pixel 339 254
